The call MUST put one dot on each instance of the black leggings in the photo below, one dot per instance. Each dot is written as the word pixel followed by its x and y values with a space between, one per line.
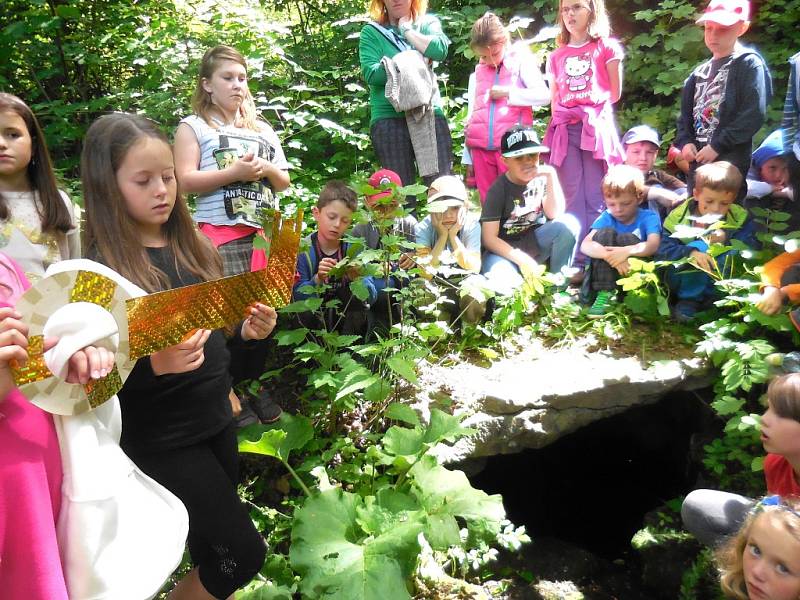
pixel 223 543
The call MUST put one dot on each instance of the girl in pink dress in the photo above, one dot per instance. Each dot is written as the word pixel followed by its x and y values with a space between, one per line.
pixel 30 469
pixel 586 80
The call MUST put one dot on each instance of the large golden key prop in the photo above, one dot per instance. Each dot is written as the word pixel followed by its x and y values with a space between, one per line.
pixel 150 323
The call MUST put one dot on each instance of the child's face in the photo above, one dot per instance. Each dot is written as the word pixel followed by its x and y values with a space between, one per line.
pixel 16 146
pixel 713 202
pixel 146 180
pixel 641 155
pixel 720 40
pixel 779 435
pixel 450 216
pixel 333 220
pixel 771 560
pixel 576 15
pixel 384 207
pixel 493 54
pixel 775 172
pixel 227 85
pixel 623 207
pixel 521 169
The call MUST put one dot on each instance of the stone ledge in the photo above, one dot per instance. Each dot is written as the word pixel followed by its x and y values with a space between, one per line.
pixel 533 398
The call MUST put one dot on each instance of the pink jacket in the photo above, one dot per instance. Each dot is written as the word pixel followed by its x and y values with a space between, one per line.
pixel 491 118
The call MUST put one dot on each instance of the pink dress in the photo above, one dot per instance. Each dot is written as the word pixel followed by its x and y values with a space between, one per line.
pixel 30 486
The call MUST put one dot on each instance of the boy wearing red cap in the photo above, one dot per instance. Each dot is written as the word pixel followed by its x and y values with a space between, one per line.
pixel 386 218
pixel 724 100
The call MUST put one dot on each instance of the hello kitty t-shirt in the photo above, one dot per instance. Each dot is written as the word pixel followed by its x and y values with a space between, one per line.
pixel 580 73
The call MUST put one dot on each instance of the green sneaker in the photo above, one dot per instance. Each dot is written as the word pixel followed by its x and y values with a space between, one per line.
pixel 602 304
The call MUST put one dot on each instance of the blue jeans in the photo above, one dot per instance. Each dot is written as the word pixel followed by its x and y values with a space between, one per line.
pixel 556 240
pixel 689 283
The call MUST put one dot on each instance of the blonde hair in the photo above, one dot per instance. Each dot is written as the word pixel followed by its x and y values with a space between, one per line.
pixel 377 10
pixel 730 557
pixel 488 30
pixel 623 179
pixel 599 25
pixel 720 176
pixel 202 104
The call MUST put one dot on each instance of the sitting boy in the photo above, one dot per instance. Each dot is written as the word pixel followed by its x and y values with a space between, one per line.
pixel 386 218
pixel 316 266
pixel 450 238
pixel 621 231
pixel 662 191
pixel 523 218
pixel 715 219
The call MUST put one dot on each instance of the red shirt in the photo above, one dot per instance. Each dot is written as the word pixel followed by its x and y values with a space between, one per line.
pixel 780 476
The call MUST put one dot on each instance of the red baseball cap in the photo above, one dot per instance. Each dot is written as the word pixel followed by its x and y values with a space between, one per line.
pixel 726 12
pixel 380 180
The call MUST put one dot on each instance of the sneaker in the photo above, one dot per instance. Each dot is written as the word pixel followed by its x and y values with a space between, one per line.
pixel 262 405
pixel 602 304
pixel 685 311
pixel 246 416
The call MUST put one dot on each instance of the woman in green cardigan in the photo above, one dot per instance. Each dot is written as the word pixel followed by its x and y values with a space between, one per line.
pixel 399 25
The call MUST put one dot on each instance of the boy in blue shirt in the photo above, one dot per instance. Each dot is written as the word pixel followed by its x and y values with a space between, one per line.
pixel 621 231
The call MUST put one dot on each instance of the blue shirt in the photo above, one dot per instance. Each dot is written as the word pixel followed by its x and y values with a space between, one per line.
pixel 645 223
pixel 470 234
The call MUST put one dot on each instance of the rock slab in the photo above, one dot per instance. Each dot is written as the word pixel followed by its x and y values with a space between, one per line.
pixel 531 399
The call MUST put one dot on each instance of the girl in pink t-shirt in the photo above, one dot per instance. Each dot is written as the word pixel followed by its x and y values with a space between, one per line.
pixel 586 79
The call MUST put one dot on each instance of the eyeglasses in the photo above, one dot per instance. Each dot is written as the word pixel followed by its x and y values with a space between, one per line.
pixel 565 10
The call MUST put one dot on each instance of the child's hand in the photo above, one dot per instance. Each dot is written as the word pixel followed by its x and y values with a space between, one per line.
pixel 406 261
pixel 247 168
pixel 527 266
pixel 771 300
pixel 706 155
pixel 181 358
pixel 324 268
pixel 717 236
pixel 624 267
pixel 13 346
pixel 438 227
pixel 689 153
pixel 352 273
pixel 499 91
pixel 617 255
pixel 260 323
pixel 91 362
pixel 703 261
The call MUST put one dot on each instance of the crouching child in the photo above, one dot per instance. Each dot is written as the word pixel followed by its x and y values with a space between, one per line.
pixel 621 231
pixel 710 217
pixel 449 250
pixel 319 273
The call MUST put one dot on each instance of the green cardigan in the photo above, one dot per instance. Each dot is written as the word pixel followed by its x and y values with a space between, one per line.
pixel 373 46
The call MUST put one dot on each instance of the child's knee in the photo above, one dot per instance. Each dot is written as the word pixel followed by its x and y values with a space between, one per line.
pixel 606 236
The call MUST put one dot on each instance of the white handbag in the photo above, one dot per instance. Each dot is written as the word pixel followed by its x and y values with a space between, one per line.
pixel 121 534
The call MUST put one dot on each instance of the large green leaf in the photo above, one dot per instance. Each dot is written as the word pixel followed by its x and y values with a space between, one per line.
pixel 290 432
pixel 448 494
pixel 338 561
pixel 266 591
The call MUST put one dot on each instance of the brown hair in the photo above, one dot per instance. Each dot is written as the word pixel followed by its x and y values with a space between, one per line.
pixel 488 30
pixel 53 212
pixel 201 99
pixel 720 176
pixel 110 232
pixel 338 190
pixel 599 25
pixel 623 179
pixel 784 396
pixel 377 10
pixel 729 557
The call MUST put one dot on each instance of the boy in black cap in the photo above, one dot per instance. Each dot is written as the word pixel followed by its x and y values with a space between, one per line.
pixel 523 220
